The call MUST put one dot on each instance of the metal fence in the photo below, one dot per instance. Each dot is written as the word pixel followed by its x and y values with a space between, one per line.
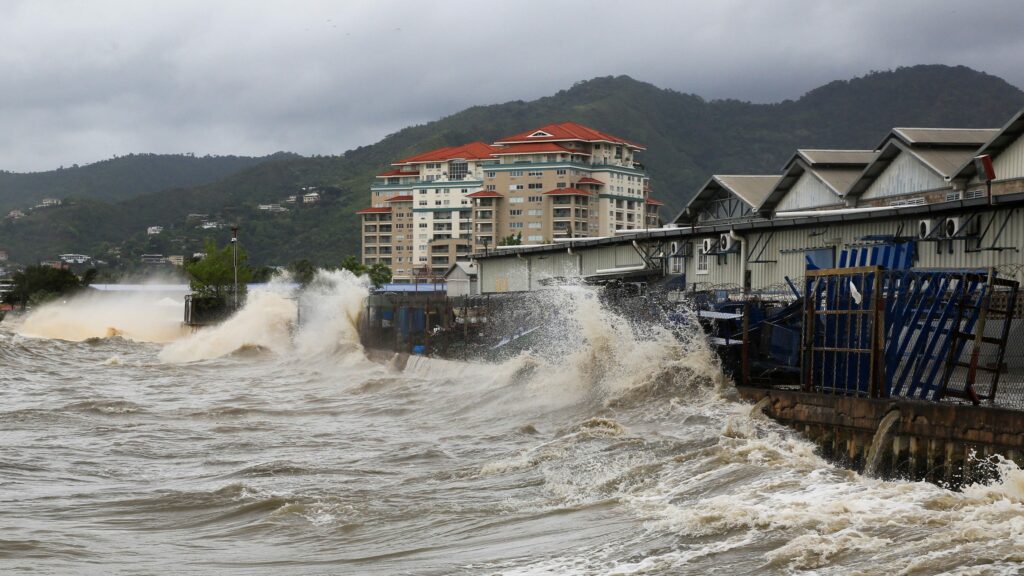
pixel 925 334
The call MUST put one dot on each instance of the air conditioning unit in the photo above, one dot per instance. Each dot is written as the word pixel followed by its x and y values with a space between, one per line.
pixel 951 227
pixel 725 242
pixel 707 245
pixel 924 229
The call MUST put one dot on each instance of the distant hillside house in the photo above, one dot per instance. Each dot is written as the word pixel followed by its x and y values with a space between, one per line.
pixel 154 230
pixel 75 258
pixel 177 260
pixel 198 255
pixel 15 214
pixel 50 202
pixel 153 259
pixel 272 208
pixel 291 199
pixel 210 225
pixel 311 198
pixel 3 255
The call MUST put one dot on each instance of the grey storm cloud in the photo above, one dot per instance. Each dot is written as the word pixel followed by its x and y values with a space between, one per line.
pixel 83 81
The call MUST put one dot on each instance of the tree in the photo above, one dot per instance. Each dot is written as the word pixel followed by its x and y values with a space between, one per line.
pixel 511 240
pixel 379 274
pixel 37 284
pixel 302 271
pixel 353 265
pixel 214 275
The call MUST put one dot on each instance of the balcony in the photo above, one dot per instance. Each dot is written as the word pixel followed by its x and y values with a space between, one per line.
pixel 562 213
pixel 439 260
pixel 485 228
pixel 384 228
pixel 370 240
pixel 485 215
pixel 370 228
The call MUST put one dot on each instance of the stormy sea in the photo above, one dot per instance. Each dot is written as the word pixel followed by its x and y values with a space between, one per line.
pixel 130 446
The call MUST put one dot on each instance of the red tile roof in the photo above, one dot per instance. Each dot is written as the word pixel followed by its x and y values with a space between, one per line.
pixel 654 202
pixel 566 131
pixel 535 148
pixel 484 194
pixel 402 198
pixel 373 210
pixel 568 192
pixel 589 180
pixel 397 172
pixel 471 151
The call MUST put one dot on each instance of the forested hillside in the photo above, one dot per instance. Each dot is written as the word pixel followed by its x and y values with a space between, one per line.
pixel 688 139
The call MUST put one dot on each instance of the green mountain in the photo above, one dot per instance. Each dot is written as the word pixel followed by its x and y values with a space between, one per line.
pixel 688 139
pixel 121 178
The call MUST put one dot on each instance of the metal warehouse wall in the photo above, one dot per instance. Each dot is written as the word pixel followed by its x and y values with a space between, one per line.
pixel 792 263
pixel 1010 164
pixel 905 175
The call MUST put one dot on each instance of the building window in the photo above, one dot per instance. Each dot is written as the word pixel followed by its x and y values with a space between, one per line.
pixel 535 212
pixel 492 187
pixel 515 186
pixel 516 200
pixel 560 171
pixel 515 225
pixel 516 173
pixel 457 170
pixel 534 225
pixel 535 238
pixel 702 261
pixel 535 199
pixel 534 173
pixel 535 185
pixel 515 212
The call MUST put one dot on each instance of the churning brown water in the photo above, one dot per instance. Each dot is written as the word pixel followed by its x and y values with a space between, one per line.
pixel 256 448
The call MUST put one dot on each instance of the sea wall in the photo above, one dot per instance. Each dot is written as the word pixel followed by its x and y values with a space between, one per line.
pixel 951 443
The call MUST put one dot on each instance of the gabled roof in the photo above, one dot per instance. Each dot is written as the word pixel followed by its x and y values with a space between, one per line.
pixel 536 148
pixel 821 157
pixel 402 198
pixel 942 150
pixel 373 210
pixel 836 169
pixel 654 202
pixel 471 151
pixel 1002 140
pixel 397 172
pixel 752 189
pixel 589 180
pixel 565 131
pixel 941 136
pixel 568 192
pixel 468 268
pixel 484 194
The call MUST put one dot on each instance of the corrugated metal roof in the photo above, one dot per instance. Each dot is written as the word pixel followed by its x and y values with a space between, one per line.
pixel 838 179
pixel 945 161
pixel 945 136
pixel 814 157
pixel 751 188
pixel 1007 135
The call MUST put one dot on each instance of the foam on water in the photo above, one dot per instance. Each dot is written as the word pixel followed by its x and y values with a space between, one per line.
pixel 140 317
pixel 610 447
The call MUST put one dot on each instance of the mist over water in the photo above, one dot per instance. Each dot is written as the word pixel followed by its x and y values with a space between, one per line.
pixel 264 447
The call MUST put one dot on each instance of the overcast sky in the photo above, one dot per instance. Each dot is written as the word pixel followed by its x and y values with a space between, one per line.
pixel 83 81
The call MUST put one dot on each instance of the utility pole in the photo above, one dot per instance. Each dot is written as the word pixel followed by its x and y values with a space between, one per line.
pixel 234 259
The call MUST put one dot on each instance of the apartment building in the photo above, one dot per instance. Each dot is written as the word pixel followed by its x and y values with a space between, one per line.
pixel 561 180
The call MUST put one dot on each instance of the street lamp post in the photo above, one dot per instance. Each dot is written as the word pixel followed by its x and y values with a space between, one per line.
pixel 234 260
